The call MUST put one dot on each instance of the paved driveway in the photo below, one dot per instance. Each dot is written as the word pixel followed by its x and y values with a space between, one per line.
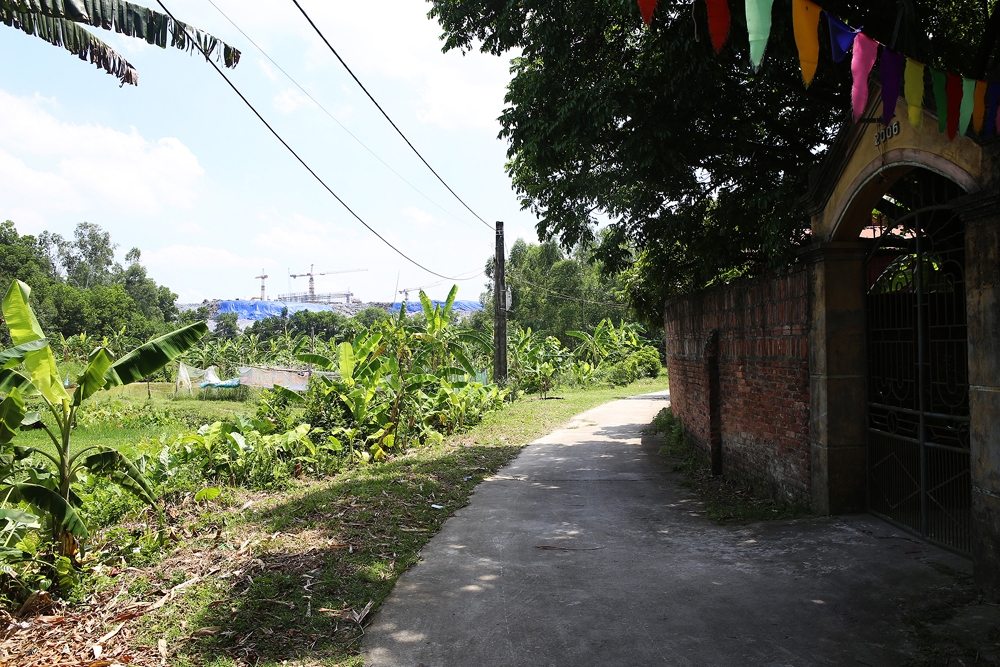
pixel 587 551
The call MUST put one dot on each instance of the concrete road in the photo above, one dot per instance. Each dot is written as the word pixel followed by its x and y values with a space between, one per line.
pixel 587 551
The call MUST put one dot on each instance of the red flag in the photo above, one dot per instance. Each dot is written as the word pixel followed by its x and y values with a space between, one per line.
pixel 953 91
pixel 647 7
pixel 718 22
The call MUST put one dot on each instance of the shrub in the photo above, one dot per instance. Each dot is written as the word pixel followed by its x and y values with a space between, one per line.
pixel 648 360
pixel 324 409
pixel 620 373
pixel 125 415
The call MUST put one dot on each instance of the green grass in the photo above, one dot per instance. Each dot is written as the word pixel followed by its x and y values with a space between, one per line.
pixel 336 545
pixel 188 415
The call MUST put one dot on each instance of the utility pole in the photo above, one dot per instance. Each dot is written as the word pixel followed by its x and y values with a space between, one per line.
pixel 499 311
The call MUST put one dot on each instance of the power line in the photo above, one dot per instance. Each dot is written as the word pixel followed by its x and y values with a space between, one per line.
pixel 379 107
pixel 297 157
pixel 332 117
pixel 564 296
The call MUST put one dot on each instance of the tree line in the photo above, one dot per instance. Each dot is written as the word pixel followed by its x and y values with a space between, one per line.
pixel 79 287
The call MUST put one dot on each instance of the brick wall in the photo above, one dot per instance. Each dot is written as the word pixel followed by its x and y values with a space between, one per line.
pixel 751 340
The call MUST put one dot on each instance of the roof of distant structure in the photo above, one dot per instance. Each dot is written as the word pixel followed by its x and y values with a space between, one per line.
pixel 460 306
pixel 259 310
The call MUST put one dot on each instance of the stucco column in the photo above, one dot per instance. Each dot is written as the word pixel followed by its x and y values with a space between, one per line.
pixel 837 377
pixel 981 213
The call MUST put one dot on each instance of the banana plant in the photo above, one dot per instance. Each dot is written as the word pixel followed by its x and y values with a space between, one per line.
pixel 441 345
pixel 33 372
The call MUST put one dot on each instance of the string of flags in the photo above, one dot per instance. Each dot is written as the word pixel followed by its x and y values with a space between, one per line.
pixel 961 103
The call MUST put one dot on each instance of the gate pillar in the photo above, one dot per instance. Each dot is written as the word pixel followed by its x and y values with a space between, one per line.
pixel 981 213
pixel 837 377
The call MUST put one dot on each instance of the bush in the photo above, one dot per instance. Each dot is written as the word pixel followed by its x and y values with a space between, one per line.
pixel 324 410
pixel 126 415
pixel 621 373
pixel 648 360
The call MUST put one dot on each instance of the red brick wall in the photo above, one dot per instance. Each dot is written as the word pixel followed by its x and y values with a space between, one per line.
pixel 763 377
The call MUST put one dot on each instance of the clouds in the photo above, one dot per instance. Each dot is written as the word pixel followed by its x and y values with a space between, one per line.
pixel 390 45
pixel 51 166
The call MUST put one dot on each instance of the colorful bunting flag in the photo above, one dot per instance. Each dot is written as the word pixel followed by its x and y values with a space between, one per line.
pixel 993 93
pixel 759 27
pixel 968 103
pixel 805 20
pixel 979 108
pixel 960 102
pixel 647 7
pixel 841 37
pixel 913 88
pixel 891 71
pixel 940 82
pixel 865 51
pixel 719 20
pixel 953 93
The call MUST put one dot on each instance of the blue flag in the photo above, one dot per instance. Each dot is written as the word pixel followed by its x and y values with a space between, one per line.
pixel 841 37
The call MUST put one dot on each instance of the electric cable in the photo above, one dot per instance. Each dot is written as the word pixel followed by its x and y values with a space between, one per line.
pixel 296 155
pixel 516 277
pixel 334 118
pixel 379 107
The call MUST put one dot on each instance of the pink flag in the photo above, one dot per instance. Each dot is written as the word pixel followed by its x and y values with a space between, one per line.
pixel 865 52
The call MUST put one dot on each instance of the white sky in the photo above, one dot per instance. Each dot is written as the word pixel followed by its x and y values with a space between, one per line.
pixel 182 169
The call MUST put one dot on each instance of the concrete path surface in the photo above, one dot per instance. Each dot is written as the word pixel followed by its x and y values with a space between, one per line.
pixel 587 551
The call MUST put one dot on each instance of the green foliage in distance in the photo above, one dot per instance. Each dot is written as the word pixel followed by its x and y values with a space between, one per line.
pixel 698 162
pixel 555 292
pixel 78 288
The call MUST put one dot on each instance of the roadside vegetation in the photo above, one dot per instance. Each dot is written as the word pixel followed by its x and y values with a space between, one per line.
pixel 726 501
pixel 269 525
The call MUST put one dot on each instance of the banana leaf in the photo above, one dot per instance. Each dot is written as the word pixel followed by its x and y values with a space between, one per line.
pixel 72 37
pixel 12 357
pixel 49 501
pixel 288 394
pixel 345 358
pixel 93 378
pixel 316 360
pixel 132 20
pixel 11 415
pixel 154 355
pixel 115 466
pixel 24 328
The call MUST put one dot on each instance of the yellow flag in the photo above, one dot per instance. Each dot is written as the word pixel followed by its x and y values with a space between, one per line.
pixel 979 106
pixel 913 90
pixel 805 19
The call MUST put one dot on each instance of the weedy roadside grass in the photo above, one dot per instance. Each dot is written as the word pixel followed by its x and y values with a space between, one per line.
pixel 291 578
pixel 726 501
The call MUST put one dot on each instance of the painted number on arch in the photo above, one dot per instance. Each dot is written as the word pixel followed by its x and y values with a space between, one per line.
pixel 886 133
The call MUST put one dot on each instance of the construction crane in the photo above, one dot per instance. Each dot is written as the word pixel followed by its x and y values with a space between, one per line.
pixel 312 278
pixel 406 290
pixel 262 277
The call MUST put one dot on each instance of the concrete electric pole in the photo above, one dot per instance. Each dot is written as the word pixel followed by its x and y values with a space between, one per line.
pixel 499 311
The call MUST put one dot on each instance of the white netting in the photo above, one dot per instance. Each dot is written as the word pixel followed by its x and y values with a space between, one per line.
pixel 189 376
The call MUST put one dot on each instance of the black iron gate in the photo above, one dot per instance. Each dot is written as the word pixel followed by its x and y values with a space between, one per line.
pixel 918 386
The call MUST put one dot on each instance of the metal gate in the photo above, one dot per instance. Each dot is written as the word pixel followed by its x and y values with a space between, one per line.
pixel 918 381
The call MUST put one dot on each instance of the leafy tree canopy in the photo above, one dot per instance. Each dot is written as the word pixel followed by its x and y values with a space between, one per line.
pixel 554 291
pixel 78 287
pixel 696 163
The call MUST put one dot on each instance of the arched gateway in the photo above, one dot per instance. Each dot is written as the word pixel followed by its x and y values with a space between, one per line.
pixel 866 378
pixel 905 334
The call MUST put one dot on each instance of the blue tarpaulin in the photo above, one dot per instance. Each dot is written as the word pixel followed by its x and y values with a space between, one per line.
pixel 259 310
pixel 415 307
